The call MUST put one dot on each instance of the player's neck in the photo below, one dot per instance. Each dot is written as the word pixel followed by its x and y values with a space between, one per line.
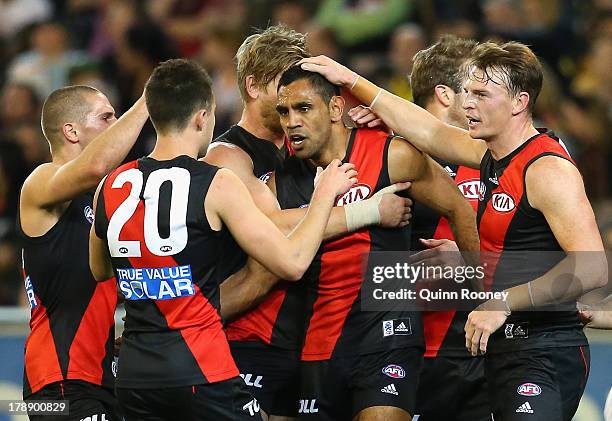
pixel 66 154
pixel 250 121
pixel 335 148
pixel 170 146
pixel 514 135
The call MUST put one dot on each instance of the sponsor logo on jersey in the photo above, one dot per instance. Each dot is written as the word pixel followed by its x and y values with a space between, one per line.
pixel 248 380
pixel 156 283
pixel 481 191
pixel 529 389
pixel 390 389
pixel 308 406
pixel 397 327
pixel 502 202
pixel 514 331
pixel 252 407
pixel 469 189
pixel 524 408
pixel 357 193
pixel 265 177
pixel 394 371
pixel 29 289
pixel 450 171
pixel 89 215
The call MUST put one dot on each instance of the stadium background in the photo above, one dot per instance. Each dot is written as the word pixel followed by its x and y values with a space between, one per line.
pixel 114 44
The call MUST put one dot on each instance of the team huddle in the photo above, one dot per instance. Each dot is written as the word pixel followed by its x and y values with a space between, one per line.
pixel 241 260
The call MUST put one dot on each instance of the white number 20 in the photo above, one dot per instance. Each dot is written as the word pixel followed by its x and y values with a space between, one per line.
pixel 177 240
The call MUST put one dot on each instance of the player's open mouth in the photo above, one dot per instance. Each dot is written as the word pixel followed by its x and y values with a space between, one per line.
pixel 296 139
pixel 472 121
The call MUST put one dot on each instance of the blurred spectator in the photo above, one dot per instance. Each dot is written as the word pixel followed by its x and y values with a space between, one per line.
pixel 46 65
pixel 322 41
pixel 12 175
pixel 90 74
pixel 115 18
pixel 406 41
pixel 291 13
pixel 188 21
pixel 34 146
pixel 18 104
pixel 17 14
pixel 218 58
pixel 356 22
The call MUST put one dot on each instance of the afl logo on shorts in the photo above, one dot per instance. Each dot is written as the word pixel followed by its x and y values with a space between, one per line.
pixel 394 371
pixel 89 215
pixel 529 389
pixel 357 193
pixel 469 189
pixel 502 202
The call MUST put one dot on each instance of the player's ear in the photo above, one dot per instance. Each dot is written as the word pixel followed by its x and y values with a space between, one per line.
pixel 336 108
pixel 520 102
pixel 444 95
pixel 200 119
pixel 251 88
pixel 69 131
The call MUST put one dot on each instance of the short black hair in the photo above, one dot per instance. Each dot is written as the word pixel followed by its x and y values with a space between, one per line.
pixel 322 86
pixel 176 89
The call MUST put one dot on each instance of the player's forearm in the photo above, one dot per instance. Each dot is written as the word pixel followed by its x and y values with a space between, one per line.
pixel 110 148
pixel 575 275
pixel 245 289
pixel 463 225
pixel 287 219
pixel 307 236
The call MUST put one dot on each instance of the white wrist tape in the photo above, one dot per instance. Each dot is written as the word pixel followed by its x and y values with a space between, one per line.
pixel 365 213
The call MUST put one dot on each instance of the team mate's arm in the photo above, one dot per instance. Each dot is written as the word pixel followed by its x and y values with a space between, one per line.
pixel 432 186
pixel 52 184
pixel 554 187
pixel 99 257
pixel 403 117
pixel 229 202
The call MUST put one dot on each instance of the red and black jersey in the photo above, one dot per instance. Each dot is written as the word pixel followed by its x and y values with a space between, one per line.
pixel 509 225
pixel 444 330
pixel 165 258
pixel 272 321
pixel 72 316
pixel 335 324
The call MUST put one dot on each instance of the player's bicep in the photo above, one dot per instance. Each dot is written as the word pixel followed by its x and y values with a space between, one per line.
pixel 555 187
pixel 253 231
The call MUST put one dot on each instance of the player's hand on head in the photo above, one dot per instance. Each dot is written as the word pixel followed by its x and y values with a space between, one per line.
pixel 331 70
pixel 337 178
pixel 363 116
pixel 395 211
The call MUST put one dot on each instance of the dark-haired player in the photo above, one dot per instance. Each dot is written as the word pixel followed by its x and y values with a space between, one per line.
pixel 531 199
pixel 161 226
pixel 360 365
pixel 69 351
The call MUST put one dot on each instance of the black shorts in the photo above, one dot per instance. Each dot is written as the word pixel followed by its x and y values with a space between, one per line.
pixel 340 388
pixel 538 384
pixel 84 400
pixel 453 389
pixel 225 400
pixel 271 375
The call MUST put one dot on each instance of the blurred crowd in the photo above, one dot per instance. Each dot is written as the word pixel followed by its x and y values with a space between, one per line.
pixel 114 44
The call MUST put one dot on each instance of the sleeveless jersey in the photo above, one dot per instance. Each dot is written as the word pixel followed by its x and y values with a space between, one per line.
pixel 72 316
pixel 165 257
pixel 444 330
pixel 335 324
pixel 273 320
pixel 508 224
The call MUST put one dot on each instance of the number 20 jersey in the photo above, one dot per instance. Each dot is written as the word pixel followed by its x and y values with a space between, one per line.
pixel 165 254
